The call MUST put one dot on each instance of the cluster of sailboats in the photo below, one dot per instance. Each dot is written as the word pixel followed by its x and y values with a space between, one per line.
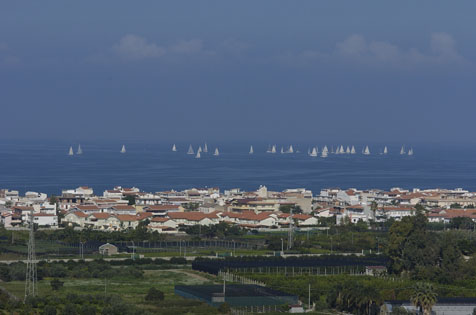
pixel 312 152
pixel 79 151
pixel 200 151
pixel 325 152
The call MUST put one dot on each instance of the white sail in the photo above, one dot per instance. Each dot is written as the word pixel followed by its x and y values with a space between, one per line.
pixel 199 149
pixel 205 148
pixel 402 150
pixel 291 149
pixel 410 152
pixel 367 150
pixel 314 152
pixel 385 150
pixel 216 153
pixel 273 149
pixel 123 149
pixel 251 150
pixel 347 150
pixel 190 150
pixel 70 152
pixel 79 151
pixel 352 151
pixel 324 154
pixel 174 148
pixel 341 151
pixel 198 155
pixel 325 149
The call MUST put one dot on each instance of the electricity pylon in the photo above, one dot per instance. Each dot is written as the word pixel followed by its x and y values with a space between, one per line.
pixel 31 274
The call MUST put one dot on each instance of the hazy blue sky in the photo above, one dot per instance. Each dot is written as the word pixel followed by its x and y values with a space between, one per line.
pixel 240 70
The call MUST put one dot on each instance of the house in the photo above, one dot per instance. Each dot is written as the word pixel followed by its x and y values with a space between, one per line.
pixel 86 208
pixel 193 218
pixel 75 218
pixel 128 221
pixel 443 306
pixel 6 219
pixel 45 219
pixel 162 210
pixel 122 209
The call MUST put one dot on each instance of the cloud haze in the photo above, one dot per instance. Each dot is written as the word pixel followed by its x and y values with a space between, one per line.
pixel 134 47
pixel 357 49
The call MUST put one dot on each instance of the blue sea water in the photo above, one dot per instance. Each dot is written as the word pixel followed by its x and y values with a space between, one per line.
pixel 46 167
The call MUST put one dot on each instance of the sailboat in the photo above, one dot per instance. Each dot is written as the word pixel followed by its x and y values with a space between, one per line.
pixel 352 151
pixel 324 153
pixel 314 152
pixel 341 151
pixel 332 149
pixel 347 150
pixel 190 150
pixel 174 148
pixel 291 149
pixel 273 149
pixel 199 149
pixel 325 149
pixel 385 150
pixel 402 150
pixel 71 152
pixel 251 150
pixel 79 151
pixel 410 152
pixel 282 150
pixel 366 150
pixel 216 153
pixel 198 155
pixel 205 148
pixel 123 150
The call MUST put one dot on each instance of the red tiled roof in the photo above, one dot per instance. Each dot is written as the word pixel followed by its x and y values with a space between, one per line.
pixel 124 207
pixel 87 207
pixel 190 216
pixel 80 214
pixel 159 219
pixel 101 215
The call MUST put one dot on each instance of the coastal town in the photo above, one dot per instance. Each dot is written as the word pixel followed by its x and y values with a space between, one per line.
pixel 168 212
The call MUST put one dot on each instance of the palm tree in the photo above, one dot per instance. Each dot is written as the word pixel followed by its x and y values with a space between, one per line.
pixel 424 297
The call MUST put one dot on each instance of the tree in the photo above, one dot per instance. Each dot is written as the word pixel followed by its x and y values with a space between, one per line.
pixel 287 209
pixel 424 297
pixel 154 295
pixel 224 308
pixel 374 208
pixel 462 223
pixel 131 199
pixel 56 284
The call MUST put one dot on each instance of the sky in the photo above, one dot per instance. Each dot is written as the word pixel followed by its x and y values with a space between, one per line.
pixel 364 71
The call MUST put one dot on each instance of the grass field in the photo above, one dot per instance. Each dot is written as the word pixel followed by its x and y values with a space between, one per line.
pixel 132 290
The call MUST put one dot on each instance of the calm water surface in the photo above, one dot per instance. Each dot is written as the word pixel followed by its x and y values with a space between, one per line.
pixel 46 167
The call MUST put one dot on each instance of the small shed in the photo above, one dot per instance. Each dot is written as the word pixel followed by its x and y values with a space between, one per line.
pixel 108 249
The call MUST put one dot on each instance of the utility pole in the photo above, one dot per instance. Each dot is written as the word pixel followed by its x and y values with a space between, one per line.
pixel 309 296
pixel 31 273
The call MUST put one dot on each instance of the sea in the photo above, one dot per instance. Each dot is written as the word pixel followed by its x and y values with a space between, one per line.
pixel 45 166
